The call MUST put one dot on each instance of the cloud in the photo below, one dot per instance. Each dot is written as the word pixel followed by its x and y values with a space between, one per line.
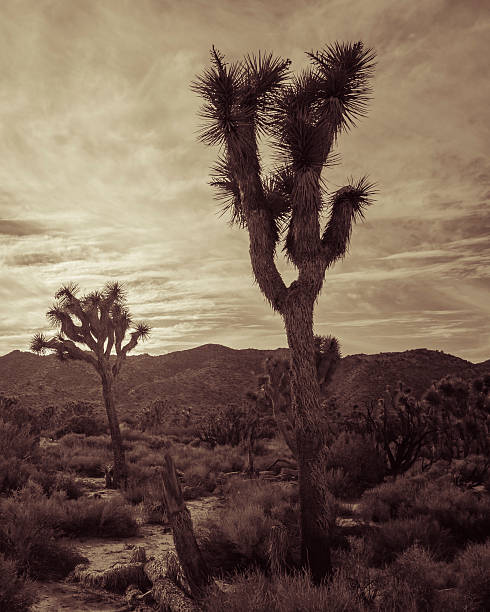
pixel 102 177
pixel 19 227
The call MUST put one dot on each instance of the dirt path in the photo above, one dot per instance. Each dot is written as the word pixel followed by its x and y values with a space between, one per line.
pixel 102 554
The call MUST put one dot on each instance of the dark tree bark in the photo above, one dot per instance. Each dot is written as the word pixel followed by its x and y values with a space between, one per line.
pixel 120 476
pixel 195 569
pixel 315 541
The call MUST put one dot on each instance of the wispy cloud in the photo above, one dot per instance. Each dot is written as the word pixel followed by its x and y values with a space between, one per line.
pixel 102 177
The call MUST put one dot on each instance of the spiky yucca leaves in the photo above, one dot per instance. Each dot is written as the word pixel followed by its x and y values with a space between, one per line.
pixel 344 71
pixel 347 205
pixel 303 115
pixel 327 352
pixel 98 320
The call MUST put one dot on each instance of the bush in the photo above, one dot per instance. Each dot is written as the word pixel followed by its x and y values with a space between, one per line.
pixel 17 440
pixel 351 464
pixel 463 513
pixel 473 571
pixel 96 518
pixel 14 474
pixel 74 518
pixel 391 500
pixel 471 471
pixel 27 537
pixel 16 593
pixel 424 576
pixel 386 541
pixel 199 481
pixel 82 424
pixel 238 537
pixel 253 592
pixel 87 464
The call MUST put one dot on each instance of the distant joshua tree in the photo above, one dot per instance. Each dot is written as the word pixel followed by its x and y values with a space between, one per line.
pixel 99 321
pixel 303 116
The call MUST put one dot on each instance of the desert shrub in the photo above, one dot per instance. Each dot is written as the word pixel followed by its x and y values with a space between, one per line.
pixel 14 474
pixel 460 410
pixel 13 412
pixel 74 518
pixel 238 536
pixel 97 518
pixel 386 541
pixel 464 514
pixel 234 423
pixel 67 484
pixel 19 444
pixel 27 537
pixel 155 415
pixel 17 594
pixel 424 576
pixel 217 460
pixel 134 492
pixel 17 440
pixel 473 571
pixel 226 425
pixel 253 592
pixel 135 435
pixel 391 500
pixel 82 424
pixel 52 481
pixel 351 464
pixel 199 481
pixel 87 464
pixel 471 471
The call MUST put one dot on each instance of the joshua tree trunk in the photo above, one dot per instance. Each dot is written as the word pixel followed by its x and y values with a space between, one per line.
pixel 120 467
pixel 315 539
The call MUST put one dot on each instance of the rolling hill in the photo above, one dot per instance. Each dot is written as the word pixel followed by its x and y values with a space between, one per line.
pixel 207 376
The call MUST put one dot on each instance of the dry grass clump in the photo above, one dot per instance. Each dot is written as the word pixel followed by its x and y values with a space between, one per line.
pixel 117 579
pixel 254 592
pixel 351 465
pixel 472 568
pixel 17 593
pixel 74 518
pixel 239 536
pixel 434 513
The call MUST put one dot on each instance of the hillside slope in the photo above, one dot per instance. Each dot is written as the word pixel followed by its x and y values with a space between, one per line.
pixel 211 375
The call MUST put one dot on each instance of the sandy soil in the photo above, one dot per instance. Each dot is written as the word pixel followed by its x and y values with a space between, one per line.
pixel 103 553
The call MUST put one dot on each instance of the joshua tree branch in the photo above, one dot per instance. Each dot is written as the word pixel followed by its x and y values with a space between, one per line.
pixel 72 351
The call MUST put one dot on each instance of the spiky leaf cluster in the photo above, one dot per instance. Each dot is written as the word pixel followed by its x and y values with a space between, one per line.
pixel 98 321
pixel 302 116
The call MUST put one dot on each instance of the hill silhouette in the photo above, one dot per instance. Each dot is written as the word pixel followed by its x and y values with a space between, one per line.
pixel 211 375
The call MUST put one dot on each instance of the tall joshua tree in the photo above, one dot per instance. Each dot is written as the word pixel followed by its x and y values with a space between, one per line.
pixel 98 321
pixel 302 116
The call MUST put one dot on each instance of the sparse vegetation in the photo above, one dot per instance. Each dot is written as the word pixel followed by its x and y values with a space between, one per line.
pixel 419 541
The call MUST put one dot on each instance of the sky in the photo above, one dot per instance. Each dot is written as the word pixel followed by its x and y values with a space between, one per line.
pixel 102 176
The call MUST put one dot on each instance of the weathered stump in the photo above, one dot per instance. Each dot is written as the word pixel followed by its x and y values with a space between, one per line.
pixel 193 565
pixel 165 592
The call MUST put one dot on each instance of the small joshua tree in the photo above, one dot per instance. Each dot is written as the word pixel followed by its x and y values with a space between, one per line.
pixel 277 385
pixel 98 321
pixel 303 116
pixel 462 416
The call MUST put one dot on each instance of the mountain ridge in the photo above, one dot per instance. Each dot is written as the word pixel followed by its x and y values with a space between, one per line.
pixel 210 375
